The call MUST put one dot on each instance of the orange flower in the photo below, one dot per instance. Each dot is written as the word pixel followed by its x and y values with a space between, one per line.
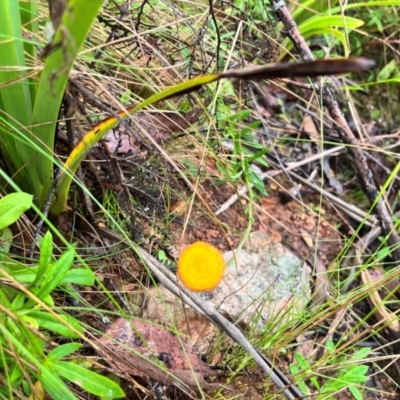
pixel 201 267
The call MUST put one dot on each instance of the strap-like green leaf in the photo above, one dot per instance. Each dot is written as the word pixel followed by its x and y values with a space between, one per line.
pixel 63 350
pixel 16 101
pixel 88 380
pixel 67 42
pixel 51 323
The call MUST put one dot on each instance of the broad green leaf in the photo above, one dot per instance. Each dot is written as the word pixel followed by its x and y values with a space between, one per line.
pixel 294 369
pixel 24 274
pixel 357 374
pixel 321 25
pixel 12 207
pixel 315 382
pixel 20 273
pixel 63 350
pixel 6 237
pixel 5 301
pixel 330 346
pixel 16 96
pixel 51 323
pixel 19 339
pixel 16 373
pixel 30 22
pixel 88 380
pixel 13 327
pixel 80 276
pixel 56 273
pixel 259 154
pixel 48 299
pixel 18 301
pixel 308 8
pixel 46 252
pixel 361 354
pixel 304 388
pixel 333 386
pixel 355 392
pixel 301 361
pixel 29 321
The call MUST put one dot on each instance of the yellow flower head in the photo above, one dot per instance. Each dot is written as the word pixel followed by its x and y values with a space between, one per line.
pixel 201 267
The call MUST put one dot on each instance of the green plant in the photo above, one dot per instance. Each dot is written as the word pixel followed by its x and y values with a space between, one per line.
pixel 244 146
pixel 327 19
pixel 348 373
pixel 30 102
pixel 28 118
pixel 29 360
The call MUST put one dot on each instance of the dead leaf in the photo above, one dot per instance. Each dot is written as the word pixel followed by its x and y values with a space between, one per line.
pixel 321 287
pixel 309 127
pixel 268 203
pixel 309 223
pixel 179 208
pixel 307 238
pixel 129 287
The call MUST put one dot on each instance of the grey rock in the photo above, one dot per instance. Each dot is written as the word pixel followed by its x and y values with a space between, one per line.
pixel 264 282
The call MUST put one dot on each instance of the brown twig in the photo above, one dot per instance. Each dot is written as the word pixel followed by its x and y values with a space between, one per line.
pixel 369 185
